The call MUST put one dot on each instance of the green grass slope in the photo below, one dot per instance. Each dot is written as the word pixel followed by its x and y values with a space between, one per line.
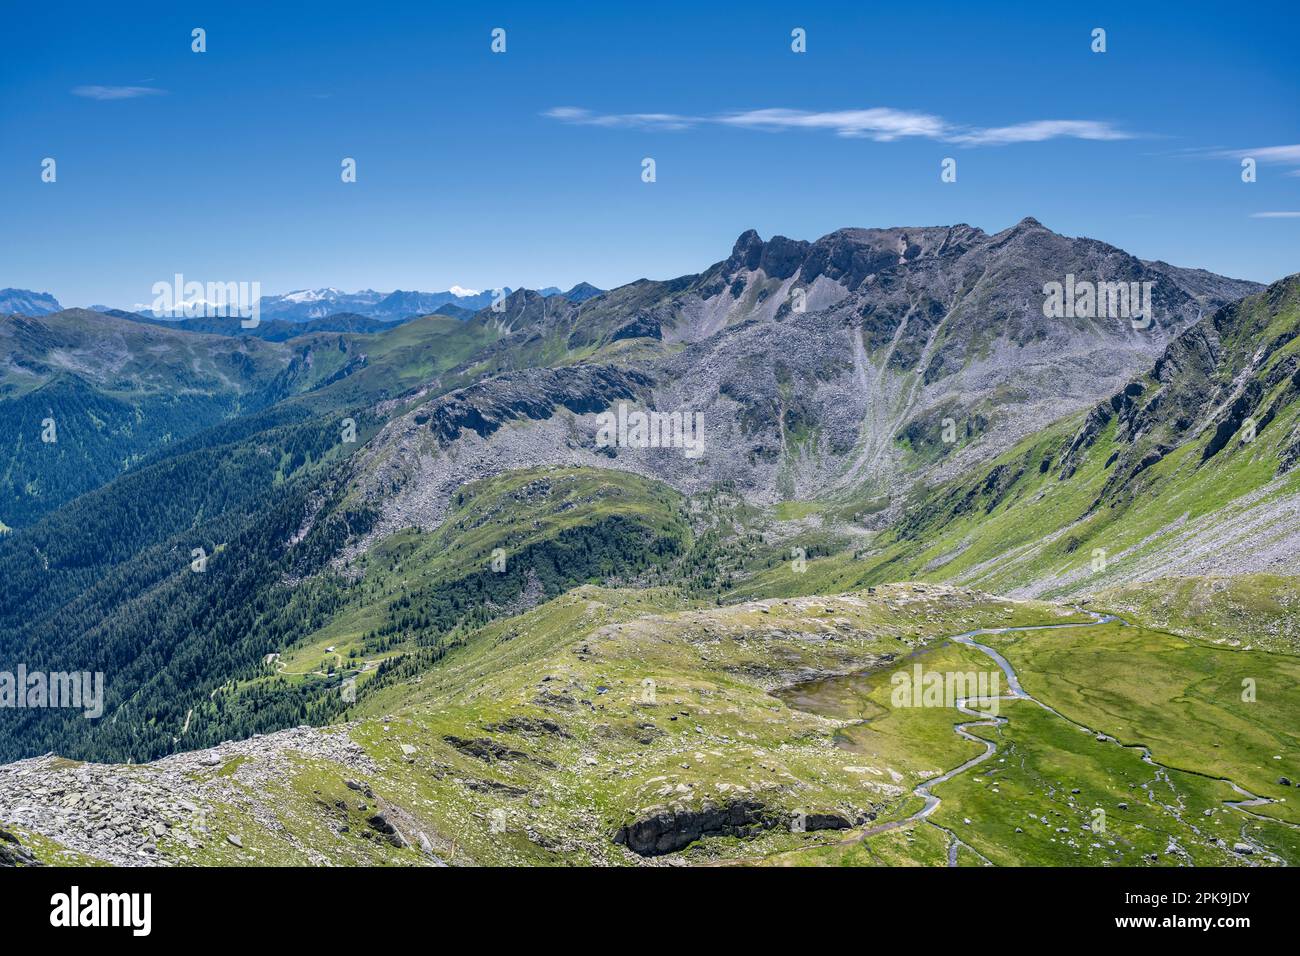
pixel 534 740
pixel 1251 610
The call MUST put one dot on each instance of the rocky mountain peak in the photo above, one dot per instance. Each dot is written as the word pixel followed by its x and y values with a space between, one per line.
pixel 850 254
pixel 746 252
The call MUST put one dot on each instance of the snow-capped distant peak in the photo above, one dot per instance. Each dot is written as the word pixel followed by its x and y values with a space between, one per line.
pixel 461 293
pixel 311 295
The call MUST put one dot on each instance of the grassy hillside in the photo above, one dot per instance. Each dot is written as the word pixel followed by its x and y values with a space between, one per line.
pixel 188 651
pixel 535 740
pixel 509 543
pixel 1250 610
pixel 120 355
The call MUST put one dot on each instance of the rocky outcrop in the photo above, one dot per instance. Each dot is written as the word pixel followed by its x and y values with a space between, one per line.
pixel 1095 423
pixel 534 394
pixel 641 327
pixel 826 821
pixel 123 815
pixel 384 823
pixel 491 751
pixel 522 724
pixel 663 831
pixel 13 853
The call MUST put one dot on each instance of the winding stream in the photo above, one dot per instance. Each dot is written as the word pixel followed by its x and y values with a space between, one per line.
pixel 832 686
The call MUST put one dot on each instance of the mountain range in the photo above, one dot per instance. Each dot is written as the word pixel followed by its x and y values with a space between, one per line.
pixel 308 305
pixel 428 583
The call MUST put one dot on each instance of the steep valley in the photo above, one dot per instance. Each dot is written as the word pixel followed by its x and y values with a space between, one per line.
pixel 382 596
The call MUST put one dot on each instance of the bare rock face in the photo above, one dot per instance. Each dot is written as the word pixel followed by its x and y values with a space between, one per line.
pixel 532 394
pixel 817 366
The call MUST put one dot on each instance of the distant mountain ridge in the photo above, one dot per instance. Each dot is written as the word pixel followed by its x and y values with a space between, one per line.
pixel 308 305
pixel 23 302
pixel 281 330
pixel 305 305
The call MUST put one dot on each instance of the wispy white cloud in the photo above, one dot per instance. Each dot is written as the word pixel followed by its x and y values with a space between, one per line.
pixel 1288 155
pixel 1285 214
pixel 882 124
pixel 1269 156
pixel 115 92
pixel 581 117
pixel 1040 130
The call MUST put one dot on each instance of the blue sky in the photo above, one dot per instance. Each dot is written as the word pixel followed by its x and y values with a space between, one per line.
pixel 524 168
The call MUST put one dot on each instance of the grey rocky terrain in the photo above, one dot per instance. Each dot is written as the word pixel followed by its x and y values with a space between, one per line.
pixel 119 814
pixel 901 331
